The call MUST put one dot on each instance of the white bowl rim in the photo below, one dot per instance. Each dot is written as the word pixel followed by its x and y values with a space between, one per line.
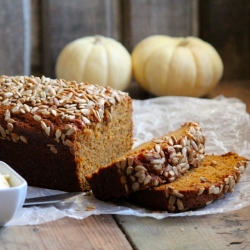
pixel 23 181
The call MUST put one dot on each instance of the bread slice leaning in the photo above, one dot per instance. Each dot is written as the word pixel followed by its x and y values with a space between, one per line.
pixel 159 161
pixel 199 187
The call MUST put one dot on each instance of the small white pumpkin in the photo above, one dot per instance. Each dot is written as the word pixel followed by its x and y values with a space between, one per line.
pixel 97 60
pixel 165 65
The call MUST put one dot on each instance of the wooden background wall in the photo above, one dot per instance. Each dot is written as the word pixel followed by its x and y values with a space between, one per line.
pixel 33 32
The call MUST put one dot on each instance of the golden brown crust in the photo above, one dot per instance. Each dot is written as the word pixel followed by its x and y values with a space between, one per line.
pixel 199 187
pixel 161 160
pixel 51 130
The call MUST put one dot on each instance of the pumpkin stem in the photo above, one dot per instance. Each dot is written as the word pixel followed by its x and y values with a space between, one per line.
pixel 98 39
pixel 184 42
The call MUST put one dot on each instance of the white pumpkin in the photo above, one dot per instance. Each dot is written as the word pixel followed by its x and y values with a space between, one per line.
pixel 97 60
pixel 165 65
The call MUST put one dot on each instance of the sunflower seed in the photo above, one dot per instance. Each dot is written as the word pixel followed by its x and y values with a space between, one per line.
pixel 226 180
pixel 58 133
pixel 23 139
pixel 53 149
pixel 213 163
pixel 226 187
pixel 123 179
pixel 216 190
pixel 37 118
pixel 10 127
pixel 123 163
pixel 7 115
pixel 201 190
pixel 54 112
pixel 175 171
pixel 130 160
pixel 118 164
pixel 129 170
pixel 2 131
pixel 47 131
pixel 10 120
pixel 211 189
pixel 15 137
pixel 157 167
pixel 171 179
pixel 172 199
pixel 171 207
pixel 141 178
pixel 166 192
pixel 135 186
pixel 156 183
pixel 139 173
pixel 147 179
pixel 158 161
pixel 157 148
pixel 70 131
pixel 179 204
pixel 209 202
pixel 69 143
pixel 176 193
pixel 139 168
pixel 43 125
pixel 203 179
pixel 132 178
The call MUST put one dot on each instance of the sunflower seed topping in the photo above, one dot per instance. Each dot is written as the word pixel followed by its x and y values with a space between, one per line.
pixel 179 205
pixel 23 139
pixel 211 189
pixel 44 97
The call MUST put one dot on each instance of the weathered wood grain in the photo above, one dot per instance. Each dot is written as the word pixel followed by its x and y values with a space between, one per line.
pixel 165 17
pixel 64 21
pixel 36 41
pixel 219 231
pixel 95 232
pixel 226 25
pixel 15 39
pixel 238 89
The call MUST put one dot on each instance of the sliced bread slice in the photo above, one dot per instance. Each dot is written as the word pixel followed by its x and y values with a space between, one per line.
pixel 199 187
pixel 159 161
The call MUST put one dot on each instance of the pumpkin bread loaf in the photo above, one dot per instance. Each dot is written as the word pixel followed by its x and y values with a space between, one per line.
pixel 155 162
pixel 54 132
pixel 198 187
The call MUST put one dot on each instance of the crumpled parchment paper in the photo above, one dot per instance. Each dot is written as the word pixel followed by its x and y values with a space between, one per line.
pixel 226 125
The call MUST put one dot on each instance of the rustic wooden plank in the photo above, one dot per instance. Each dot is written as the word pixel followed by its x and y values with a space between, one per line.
pixel 95 232
pixel 36 55
pixel 166 17
pixel 219 231
pixel 15 37
pixel 65 21
pixel 238 89
pixel 226 25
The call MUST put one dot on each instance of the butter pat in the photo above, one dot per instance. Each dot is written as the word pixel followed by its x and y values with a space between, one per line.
pixel 4 181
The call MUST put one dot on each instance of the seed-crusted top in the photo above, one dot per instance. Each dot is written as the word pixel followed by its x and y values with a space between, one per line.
pixel 57 97
pixel 55 102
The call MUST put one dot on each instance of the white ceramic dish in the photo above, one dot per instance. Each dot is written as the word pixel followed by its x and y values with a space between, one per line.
pixel 11 199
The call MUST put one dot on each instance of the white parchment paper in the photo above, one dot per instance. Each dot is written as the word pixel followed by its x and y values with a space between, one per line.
pixel 226 125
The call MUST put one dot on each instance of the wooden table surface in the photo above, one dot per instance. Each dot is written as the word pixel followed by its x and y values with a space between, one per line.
pixel 221 231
